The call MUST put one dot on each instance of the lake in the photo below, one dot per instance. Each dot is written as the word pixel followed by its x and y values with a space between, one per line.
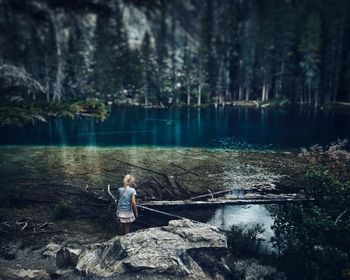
pixel 223 127
pixel 229 128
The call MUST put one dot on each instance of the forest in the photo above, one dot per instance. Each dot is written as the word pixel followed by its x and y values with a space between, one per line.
pixel 232 115
pixel 289 52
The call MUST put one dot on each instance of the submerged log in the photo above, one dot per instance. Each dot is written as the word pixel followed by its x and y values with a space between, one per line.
pixel 164 186
pixel 142 167
pixel 184 169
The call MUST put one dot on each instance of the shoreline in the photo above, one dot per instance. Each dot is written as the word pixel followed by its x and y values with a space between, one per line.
pixel 11 115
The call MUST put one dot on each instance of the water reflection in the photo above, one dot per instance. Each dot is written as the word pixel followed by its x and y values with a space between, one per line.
pixel 228 127
pixel 244 215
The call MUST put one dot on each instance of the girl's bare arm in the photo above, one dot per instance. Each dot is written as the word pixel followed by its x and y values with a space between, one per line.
pixel 134 206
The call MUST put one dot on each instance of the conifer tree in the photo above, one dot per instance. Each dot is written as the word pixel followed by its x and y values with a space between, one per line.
pixel 309 48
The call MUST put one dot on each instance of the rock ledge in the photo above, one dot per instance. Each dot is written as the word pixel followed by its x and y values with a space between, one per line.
pixel 183 248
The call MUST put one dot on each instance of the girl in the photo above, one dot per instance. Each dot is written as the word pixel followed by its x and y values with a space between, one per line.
pixel 127 206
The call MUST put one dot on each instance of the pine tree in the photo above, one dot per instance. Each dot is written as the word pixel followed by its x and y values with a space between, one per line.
pixel 112 53
pixel 148 69
pixel 310 63
pixel 162 57
pixel 187 79
pixel 207 48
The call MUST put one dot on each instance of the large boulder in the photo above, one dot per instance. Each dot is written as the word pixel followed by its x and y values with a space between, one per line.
pixel 67 257
pixel 183 248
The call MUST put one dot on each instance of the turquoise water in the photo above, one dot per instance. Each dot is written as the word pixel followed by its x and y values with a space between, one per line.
pixel 228 127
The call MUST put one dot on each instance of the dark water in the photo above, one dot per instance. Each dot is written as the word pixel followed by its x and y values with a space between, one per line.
pixel 229 127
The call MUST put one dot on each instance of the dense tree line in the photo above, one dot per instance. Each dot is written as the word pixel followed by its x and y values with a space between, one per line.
pixel 297 51
pixel 294 50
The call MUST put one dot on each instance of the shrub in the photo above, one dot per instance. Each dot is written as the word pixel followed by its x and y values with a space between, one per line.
pixel 315 238
pixel 243 241
pixel 335 158
pixel 63 210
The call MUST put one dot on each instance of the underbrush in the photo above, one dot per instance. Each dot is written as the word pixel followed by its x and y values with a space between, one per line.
pixel 315 237
pixel 245 241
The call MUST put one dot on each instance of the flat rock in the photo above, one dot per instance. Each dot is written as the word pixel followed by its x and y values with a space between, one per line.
pixel 183 248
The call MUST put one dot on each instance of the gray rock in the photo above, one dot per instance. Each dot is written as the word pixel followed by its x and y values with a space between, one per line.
pixel 67 257
pixel 51 249
pixel 183 248
pixel 63 274
pixel 23 274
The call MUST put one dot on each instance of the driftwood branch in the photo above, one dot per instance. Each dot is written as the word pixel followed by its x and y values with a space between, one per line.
pixel 341 215
pixel 161 212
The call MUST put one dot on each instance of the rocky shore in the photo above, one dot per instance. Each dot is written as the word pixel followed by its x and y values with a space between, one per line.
pixel 183 249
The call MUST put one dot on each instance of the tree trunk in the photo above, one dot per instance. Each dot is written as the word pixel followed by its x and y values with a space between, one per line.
pixel 59 40
pixel 338 58
pixel 247 94
pixel 199 99
pixel 47 78
pixel 188 94
pixel 146 94
pixel 263 93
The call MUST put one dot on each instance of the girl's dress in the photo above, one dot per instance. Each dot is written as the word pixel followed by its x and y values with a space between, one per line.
pixel 125 212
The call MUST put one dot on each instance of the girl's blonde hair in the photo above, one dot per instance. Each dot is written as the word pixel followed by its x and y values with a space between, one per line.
pixel 129 180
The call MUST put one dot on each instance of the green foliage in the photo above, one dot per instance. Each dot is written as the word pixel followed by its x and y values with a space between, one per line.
pixel 315 237
pixel 63 210
pixel 244 241
pixel 22 113
pixel 335 158
pixel 327 188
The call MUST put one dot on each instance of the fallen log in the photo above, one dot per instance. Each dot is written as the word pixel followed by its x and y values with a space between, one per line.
pixel 277 199
pixel 211 194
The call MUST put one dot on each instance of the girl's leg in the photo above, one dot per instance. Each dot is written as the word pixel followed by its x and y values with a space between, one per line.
pixel 126 228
